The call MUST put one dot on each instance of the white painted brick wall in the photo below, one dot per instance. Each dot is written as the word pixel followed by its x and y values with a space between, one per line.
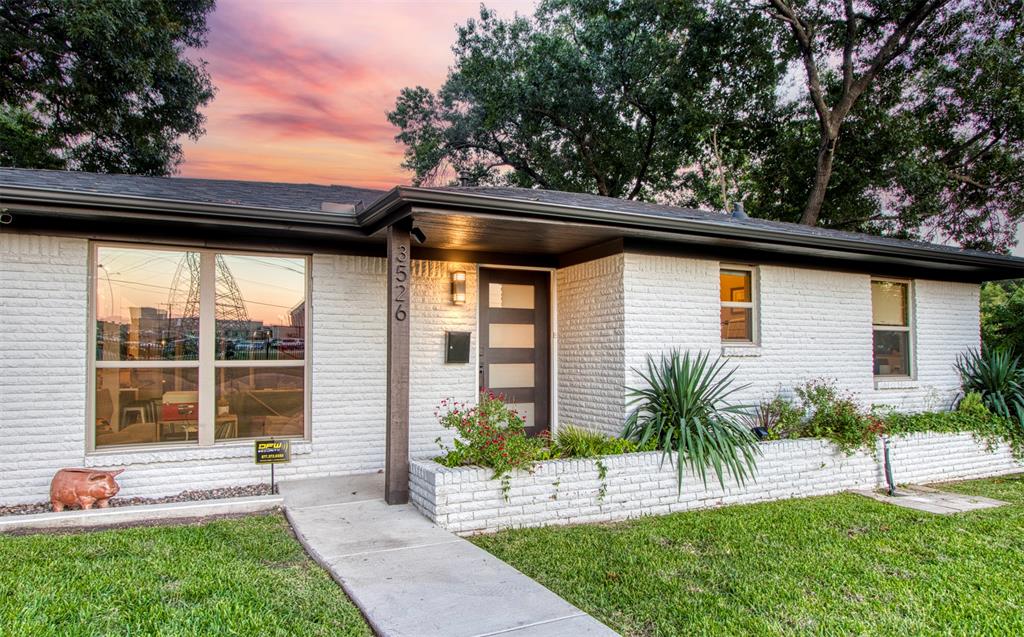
pixel 466 500
pixel 923 458
pixel 590 344
pixel 44 345
pixel 813 324
pixel 948 323
pixel 611 312
pixel 431 380
pixel 43 293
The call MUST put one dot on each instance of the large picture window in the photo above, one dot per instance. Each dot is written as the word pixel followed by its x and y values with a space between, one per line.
pixel 196 346
pixel 891 320
pixel 739 309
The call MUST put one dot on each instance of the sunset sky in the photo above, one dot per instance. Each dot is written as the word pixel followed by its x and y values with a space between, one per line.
pixel 303 86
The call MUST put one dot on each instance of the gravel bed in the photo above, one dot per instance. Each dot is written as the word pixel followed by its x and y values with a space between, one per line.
pixel 184 496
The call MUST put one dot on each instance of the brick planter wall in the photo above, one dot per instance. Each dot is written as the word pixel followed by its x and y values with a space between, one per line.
pixel 466 500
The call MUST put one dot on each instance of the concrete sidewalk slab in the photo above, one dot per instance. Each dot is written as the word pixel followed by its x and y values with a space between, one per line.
pixel 446 589
pixel 333 490
pixel 930 500
pixel 578 626
pixel 364 527
pixel 411 578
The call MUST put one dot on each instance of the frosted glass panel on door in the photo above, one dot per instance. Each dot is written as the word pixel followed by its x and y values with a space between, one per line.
pixel 510 375
pixel 525 411
pixel 510 295
pixel 510 335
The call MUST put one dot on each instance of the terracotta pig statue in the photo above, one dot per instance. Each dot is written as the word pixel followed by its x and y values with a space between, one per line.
pixel 84 487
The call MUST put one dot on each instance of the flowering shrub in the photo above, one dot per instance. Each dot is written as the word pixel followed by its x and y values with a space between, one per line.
pixel 490 434
pixel 821 411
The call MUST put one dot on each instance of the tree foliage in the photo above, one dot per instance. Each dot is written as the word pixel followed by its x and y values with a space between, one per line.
pixel 101 85
pixel 1002 316
pixel 916 107
pixel 920 103
pixel 590 96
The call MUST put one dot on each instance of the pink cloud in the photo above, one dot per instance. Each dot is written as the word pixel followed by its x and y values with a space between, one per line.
pixel 303 88
pixel 324 124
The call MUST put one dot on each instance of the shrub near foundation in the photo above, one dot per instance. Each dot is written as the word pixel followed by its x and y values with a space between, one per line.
pixel 574 442
pixel 820 411
pixel 684 407
pixel 998 378
pixel 971 416
pixel 490 434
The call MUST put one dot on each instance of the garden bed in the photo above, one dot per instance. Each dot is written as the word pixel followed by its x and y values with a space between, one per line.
pixel 185 496
pixel 469 500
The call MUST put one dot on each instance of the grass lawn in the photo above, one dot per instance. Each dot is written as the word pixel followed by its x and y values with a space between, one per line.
pixel 244 576
pixel 839 565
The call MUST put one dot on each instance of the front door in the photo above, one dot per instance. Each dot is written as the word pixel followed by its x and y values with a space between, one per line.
pixel 515 346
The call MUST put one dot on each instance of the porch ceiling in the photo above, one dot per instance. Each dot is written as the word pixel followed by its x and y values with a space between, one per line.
pixel 488 233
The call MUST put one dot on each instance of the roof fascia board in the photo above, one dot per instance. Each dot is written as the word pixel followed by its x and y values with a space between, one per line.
pixel 387 210
pixel 561 212
pixel 68 198
pixel 73 213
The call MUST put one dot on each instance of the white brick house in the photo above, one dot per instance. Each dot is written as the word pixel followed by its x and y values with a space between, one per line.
pixel 161 324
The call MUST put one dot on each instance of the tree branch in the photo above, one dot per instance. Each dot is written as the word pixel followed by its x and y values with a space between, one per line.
pixel 641 174
pixel 848 44
pixel 896 44
pixel 968 180
pixel 802 34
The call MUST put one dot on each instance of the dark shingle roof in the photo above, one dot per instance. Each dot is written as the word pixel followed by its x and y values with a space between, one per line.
pixel 290 202
pixel 640 208
pixel 255 194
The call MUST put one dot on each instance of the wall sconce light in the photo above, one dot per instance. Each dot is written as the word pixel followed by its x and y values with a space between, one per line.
pixel 458 287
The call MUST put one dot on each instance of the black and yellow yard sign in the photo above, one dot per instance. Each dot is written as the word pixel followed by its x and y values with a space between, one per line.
pixel 272 451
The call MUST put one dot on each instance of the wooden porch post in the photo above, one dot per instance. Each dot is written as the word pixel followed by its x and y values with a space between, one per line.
pixel 396 471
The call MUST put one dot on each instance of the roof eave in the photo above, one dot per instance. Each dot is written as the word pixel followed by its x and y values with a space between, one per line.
pixel 168 209
pixel 397 202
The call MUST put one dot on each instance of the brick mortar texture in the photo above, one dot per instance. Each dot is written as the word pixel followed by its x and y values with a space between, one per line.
pixel 466 500
pixel 813 324
pixel 43 367
pixel 590 344
pixel 611 313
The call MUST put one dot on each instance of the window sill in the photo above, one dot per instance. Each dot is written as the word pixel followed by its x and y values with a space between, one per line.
pixel 178 453
pixel 738 351
pixel 896 383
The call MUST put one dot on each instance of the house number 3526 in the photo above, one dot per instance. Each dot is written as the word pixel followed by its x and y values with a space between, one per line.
pixel 401 280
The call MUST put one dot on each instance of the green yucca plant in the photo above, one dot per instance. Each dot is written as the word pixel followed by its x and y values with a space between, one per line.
pixel 998 376
pixel 685 409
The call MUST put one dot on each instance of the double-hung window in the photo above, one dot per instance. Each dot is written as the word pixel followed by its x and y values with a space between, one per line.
pixel 892 323
pixel 739 307
pixel 193 347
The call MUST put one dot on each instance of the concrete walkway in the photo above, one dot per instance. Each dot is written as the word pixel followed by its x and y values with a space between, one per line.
pixel 919 498
pixel 410 577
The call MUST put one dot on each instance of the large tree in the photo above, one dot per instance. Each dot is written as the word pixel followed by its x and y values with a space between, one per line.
pixel 917 110
pixel 590 95
pixel 897 116
pixel 101 85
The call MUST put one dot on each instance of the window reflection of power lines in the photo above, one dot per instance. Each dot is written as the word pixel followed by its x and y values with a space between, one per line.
pixel 127 283
pixel 231 313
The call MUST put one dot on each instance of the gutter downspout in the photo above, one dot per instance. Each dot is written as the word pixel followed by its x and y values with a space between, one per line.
pixel 888 466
